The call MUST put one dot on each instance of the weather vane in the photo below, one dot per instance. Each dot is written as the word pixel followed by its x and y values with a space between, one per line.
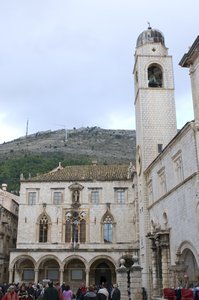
pixel 149 25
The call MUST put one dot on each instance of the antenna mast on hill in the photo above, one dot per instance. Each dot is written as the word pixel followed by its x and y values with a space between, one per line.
pixel 27 128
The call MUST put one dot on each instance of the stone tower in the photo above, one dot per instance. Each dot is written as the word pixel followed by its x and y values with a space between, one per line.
pixel 155 120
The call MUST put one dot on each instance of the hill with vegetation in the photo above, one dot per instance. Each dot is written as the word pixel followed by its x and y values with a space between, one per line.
pixel 42 151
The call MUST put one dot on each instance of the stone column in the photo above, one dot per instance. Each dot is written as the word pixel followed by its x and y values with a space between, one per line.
pixel 136 280
pixel 36 275
pixel 165 268
pixel 165 259
pixel 87 277
pixel 11 275
pixel 154 265
pixel 154 273
pixel 122 280
pixel 61 275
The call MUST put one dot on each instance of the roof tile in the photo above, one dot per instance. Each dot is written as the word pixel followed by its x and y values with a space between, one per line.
pixel 85 173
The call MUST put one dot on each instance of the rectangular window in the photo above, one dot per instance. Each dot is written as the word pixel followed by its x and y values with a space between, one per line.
pixel 160 148
pixel 43 232
pixel 53 274
pixel 28 275
pixel 95 196
pixel 120 196
pixel 57 198
pixel 76 274
pixel 108 231
pixel 32 198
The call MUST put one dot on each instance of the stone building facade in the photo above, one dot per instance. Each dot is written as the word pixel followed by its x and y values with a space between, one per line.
pixel 9 204
pixel 76 224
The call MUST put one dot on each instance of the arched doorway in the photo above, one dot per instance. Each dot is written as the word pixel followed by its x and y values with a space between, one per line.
pixel 24 270
pixel 74 273
pixel 48 270
pixel 192 267
pixel 101 271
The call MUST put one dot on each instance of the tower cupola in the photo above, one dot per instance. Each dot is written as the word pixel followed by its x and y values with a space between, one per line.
pixel 150 36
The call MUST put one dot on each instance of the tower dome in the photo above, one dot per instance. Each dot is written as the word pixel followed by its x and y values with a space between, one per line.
pixel 150 36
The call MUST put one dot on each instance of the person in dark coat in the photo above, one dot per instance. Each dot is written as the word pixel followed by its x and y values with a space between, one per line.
pixel 81 291
pixel 90 295
pixel 51 292
pixel 31 291
pixel 115 294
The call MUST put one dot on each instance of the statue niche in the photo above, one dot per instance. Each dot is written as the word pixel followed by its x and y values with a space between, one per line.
pixel 75 196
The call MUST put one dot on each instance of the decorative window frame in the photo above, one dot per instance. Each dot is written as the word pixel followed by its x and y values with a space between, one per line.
pixel 178 166
pixel 120 191
pixel 162 181
pixel 93 191
pixel 38 227
pixel 75 217
pixel 150 191
pixel 111 221
pixel 32 192
pixel 53 192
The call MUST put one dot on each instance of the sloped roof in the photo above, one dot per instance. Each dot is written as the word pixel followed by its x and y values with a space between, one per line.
pixel 86 173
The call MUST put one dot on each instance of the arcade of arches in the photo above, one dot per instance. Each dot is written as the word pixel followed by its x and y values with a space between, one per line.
pixel 74 269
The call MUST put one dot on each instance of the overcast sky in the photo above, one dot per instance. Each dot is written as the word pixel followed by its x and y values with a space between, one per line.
pixel 68 63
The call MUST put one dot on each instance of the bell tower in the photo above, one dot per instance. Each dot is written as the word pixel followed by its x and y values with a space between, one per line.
pixel 154 96
pixel 155 121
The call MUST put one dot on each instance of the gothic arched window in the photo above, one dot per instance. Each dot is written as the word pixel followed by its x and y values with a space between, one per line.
pixel 155 76
pixel 43 229
pixel 108 229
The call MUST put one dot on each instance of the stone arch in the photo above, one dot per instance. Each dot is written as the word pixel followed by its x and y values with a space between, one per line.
pixel 41 215
pixel 105 257
pixel 155 75
pixel 102 269
pixel 71 257
pixel 48 268
pixel 165 219
pixel 74 270
pixel 187 245
pixel 189 256
pixel 24 268
pixel 28 257
pixel 48 257
pixel 106 214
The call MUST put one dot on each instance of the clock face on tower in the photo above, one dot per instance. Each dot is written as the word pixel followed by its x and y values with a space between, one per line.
pixel 138 160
